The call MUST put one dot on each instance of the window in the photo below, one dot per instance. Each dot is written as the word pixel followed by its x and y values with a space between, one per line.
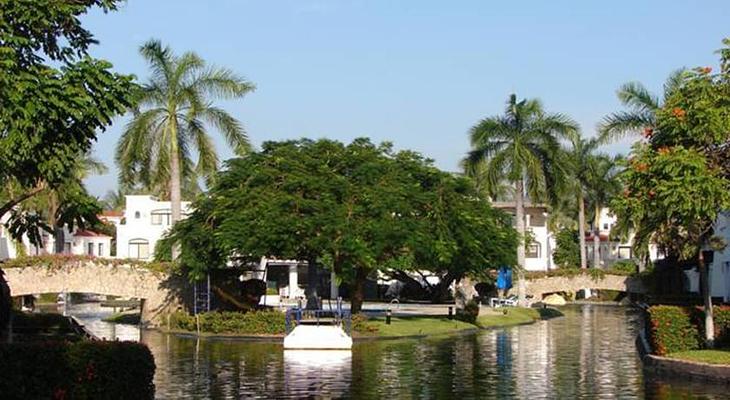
pixel 101 250
pixel 90 250
pixel 533 250
pixel 67 248
pixel 537 220
pixel 605 227
pixel 139 248
pixel 136 214
pixel 161 217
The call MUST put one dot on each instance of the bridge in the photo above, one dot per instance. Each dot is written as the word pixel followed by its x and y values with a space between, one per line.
pixel 539 287
pixel 159 293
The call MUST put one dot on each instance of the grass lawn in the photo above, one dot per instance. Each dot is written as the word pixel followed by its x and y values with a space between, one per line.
pixel 438 325
pixel 412 326
pixel 715 356
pixel 124 318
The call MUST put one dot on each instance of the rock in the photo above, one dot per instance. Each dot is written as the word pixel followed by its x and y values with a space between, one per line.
pixel 554 300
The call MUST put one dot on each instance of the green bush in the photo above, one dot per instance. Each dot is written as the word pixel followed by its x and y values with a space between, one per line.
pixel 567 249
pixel 360 324
pixel 469 313
pixel 82 370
pixel 671 330
pixel 721 317
pixel 250 323
pixel 623 267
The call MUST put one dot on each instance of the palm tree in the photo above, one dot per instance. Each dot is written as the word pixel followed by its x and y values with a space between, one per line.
pixel 521 147
pixel 579 159
pixel 642 105
pixel 155 148
pixel 602 185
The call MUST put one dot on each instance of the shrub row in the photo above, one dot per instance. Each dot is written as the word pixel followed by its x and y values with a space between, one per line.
pixel 82 370
pixel 674 328
pixel 250 323
pixel 55 262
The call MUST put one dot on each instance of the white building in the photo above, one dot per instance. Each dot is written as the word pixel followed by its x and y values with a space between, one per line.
pixel 539 254
pixel 80 242
pixel 145 221
pixel 720 266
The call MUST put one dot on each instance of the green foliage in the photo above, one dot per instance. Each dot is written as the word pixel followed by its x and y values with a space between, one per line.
pixel 55 99
pixel 721 319
pixel 671 330
pixel 55 262
pixel 155 147
pixel 360 324
pixel 624 266
pixel 82 370
pixel 355 208
pixel 250 323
pixel 567 249
pixel 469 313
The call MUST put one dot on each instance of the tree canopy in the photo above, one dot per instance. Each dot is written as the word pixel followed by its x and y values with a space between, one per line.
pixel 356 209
pixel 54 97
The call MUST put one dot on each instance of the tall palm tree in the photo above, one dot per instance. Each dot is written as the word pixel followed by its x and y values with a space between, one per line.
pixel 521 147
pixel 642 107
pixel 602 186
pixel 155 148
pixel 579 158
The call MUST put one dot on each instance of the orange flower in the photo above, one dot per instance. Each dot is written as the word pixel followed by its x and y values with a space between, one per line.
pixel 641 167
pixel 664 150
pixel 706 70
pixel 648 131
pixel 678 112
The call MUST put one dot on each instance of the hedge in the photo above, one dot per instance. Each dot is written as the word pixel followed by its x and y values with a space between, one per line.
pixel 671 330
pixel 721 317
pixel 250 323
pixel 82 370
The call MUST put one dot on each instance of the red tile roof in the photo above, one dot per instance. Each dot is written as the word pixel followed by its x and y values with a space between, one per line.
pixel 85 233
pixel 112 213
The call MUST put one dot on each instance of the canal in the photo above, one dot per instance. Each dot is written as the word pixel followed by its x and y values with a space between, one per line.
pixel 588 354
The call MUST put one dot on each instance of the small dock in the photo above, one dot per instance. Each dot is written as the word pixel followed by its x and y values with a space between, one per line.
pixel 318 329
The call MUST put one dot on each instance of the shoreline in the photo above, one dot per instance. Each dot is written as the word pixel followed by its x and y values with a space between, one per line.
pixel 363 338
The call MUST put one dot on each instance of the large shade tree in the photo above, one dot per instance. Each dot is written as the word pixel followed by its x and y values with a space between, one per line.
pixel 355 209
pixel 172 122
pixel 522 147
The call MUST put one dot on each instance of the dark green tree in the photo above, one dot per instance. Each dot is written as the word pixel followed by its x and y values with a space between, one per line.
pixel 356 209
pixel 567 249
pixel 54 99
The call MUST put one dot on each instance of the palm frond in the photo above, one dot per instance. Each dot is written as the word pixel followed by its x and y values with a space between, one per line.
pixel 634 95
pixel 231 129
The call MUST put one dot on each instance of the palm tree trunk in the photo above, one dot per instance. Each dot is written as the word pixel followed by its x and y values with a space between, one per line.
pixel 520 226
pixel 175 205
pixel 706 297
pixel 582 230
pixel 596 239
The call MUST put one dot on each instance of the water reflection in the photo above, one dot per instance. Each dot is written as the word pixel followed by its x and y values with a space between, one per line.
pixel 587 354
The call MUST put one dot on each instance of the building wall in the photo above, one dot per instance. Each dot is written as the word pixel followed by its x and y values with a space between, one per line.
pixel 146 220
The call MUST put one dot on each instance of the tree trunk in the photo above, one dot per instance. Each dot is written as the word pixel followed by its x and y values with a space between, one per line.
pixel 596 239
pixel 58 238
pixel 442 288
pixel 582 230
pixel 175 201
pixel 357 291
pixel 520 226
pixel 312 286
pixel 705 290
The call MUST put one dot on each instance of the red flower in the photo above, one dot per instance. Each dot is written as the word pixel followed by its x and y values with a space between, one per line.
pixel 648 131
pixel 706 70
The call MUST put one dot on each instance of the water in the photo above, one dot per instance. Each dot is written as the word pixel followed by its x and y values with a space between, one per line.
pixel 587 354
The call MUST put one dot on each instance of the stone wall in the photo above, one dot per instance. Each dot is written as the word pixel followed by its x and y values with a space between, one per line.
pixel 160 293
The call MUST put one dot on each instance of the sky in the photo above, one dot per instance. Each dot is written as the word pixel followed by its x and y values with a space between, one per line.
pixel 416 73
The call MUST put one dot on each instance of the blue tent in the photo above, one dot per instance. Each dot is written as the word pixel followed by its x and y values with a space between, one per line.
pixel 504 278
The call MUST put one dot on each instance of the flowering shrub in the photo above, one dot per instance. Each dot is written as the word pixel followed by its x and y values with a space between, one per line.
pixel 671 330
pixel 82 370
pixel 55 262
pixel 250 323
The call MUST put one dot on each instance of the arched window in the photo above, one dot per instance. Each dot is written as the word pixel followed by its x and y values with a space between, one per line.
pixel 161 217
pixel 533 250
pixel 139 248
